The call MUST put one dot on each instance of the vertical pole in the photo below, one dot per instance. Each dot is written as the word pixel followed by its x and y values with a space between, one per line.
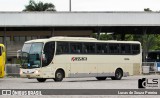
pixel 4 39
pixel 52 32
pixel 70 6
pixel 145 50
pixel 98 33
pixel 5 43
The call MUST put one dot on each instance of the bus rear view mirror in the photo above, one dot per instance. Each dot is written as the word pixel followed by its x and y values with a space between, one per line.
pixel 44 58
pixel 19 53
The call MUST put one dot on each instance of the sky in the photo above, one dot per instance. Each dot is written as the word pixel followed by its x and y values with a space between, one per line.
pixel 86 5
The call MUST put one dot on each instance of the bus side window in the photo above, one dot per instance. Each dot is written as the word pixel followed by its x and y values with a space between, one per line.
pixel 105 47
pixel 89 48
pixel 85 49
pixel 125 49
pixel 99 48
pixel 62 48
pixel 75 47
pixel 114 48
pixel 59 49
pixel 135 49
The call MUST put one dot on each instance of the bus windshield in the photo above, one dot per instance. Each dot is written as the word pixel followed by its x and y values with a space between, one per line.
pixel 31 55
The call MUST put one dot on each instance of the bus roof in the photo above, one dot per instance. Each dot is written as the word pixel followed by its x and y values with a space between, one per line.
pixel 72 38
pixel 78 39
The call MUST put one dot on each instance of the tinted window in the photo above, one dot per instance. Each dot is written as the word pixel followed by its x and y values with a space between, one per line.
pixel 48 50
pixel 89 48
pixel 114 48
pixel 153 56
pixel 76 47
pixel 99 48
pixel 125 49
pixel 102 48
pixel 135 48
pixel 62 47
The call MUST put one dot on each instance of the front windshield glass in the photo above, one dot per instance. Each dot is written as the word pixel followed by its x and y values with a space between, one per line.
pixel 31 55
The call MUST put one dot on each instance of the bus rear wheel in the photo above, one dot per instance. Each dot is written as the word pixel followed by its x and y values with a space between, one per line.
pixel 101 78
pixel 118 75
pixel 41 79
pixel 59 76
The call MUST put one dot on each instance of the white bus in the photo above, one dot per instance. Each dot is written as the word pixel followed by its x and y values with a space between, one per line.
pixel 67 57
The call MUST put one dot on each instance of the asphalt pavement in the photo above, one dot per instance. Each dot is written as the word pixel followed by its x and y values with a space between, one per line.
pixel 130 82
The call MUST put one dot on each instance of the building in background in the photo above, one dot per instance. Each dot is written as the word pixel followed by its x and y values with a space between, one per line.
pixel 18 27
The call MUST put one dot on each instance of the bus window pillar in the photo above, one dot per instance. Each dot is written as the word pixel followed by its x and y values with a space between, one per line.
pixel 52 32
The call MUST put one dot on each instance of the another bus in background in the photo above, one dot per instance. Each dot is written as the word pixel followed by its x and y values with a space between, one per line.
pixel 153 56
pixel 2 60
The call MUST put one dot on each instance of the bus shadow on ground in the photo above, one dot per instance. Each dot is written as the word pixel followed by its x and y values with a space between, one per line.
pixel 94 80
pixel 50 80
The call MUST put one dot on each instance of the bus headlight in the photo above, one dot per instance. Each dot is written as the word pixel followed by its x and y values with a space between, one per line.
pixel 20 72
pixel 37 72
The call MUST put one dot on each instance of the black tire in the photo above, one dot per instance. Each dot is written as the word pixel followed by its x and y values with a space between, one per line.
pixel 101 78
pixel 41 79
pixel 113 78
pixel 59 76
pixel 118 75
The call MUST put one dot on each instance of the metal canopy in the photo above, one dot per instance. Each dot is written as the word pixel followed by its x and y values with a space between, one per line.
pixel 78 19
pixel 117 22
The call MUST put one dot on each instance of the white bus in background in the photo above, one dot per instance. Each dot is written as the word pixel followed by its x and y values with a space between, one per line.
pixel 67 57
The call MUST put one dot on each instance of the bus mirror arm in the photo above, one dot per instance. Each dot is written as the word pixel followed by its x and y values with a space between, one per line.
pixel 19 54
pixel 43 57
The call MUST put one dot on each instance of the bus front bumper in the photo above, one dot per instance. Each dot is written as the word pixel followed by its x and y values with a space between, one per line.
pixel 30 73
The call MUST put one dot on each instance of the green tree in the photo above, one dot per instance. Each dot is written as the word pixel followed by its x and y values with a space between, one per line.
pixel 147 10
pixel 149 42
pixel 40 6
pixel 156 45
pixel 129 37
pixel 103 36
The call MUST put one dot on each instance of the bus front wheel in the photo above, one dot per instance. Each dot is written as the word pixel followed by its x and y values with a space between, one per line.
pixel 118 75
pixel 101 78
pixel 59 76
pixel 41 79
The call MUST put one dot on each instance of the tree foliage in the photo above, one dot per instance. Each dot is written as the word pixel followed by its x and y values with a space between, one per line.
pixel 147 9
pixel 40 6
pixel 148 41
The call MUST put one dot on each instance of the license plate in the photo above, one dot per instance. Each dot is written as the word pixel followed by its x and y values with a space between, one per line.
pixel 28 76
